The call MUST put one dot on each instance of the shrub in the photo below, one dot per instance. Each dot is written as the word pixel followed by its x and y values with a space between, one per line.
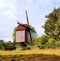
pixel 57 44
pixel 50 43
pixel 9 46
pixel 41 41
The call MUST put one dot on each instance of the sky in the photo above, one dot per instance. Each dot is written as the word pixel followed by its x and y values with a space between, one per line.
pixel 12 11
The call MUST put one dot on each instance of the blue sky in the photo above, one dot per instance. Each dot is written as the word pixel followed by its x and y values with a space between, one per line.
pixel 12 11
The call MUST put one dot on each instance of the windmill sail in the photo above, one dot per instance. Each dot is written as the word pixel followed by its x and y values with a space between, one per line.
pixel 27 17
pixel 29 27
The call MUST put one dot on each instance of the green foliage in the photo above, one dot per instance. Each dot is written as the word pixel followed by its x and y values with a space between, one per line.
pixel 41 41
pixel 18 44
pixel 57 43
pixel 14 33
pixel 1 42
pixel 52 25
pixel 9 43
pixel 9 46
pixel 50 43
pixel 36 42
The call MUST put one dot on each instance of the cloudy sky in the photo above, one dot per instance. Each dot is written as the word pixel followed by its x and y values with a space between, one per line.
pixel 12 11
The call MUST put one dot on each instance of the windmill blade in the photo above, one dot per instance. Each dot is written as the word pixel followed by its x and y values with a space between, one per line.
pixel 18 22
pixel 28 21
pixel 21 24
pixel 30 37
pixel 32 30
pixel 27 17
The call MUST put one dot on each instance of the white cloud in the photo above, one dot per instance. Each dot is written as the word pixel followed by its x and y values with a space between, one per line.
pixel 29 1
pixel 2 4
pixel 12 10
pixel 9 14
pixel 7 17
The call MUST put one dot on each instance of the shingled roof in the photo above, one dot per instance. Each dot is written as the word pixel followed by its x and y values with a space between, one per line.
pixel 20 27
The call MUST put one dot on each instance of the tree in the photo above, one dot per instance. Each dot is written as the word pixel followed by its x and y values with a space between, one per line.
pixel 2 44
pixel 57 43
pixel 52 25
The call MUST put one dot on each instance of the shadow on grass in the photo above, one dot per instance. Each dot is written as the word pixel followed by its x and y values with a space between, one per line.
pixel 32 57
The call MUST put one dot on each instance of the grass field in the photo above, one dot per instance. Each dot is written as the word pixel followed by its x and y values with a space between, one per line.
pixel 34 54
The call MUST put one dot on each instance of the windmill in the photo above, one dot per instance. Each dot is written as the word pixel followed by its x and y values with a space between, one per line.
pixel 22 32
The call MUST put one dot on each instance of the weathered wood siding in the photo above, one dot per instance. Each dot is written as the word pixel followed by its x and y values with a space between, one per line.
pixel 20 36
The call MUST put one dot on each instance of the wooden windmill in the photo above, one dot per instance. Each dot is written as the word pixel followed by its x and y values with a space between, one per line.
pixel 24 33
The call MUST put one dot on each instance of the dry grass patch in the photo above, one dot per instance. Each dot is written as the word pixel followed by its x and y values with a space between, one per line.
pixel 34 54
pixel 32 51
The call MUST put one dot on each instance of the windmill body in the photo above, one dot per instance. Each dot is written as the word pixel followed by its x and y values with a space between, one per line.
pixel 22 34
